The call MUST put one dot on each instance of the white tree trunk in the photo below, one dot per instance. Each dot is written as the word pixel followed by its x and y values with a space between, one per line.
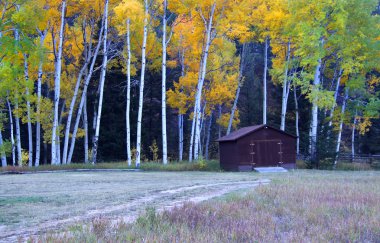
pixel 38 122
pixel 163 91
pixel 85 126
pixel 30 131
pixel 314 118
pixel 335 98
pixel 18 137
pixel 339 139
pixel 84 95
pixel 102 80
pixel 58 146
pixel 240 83
pixel 3 157
pixel 265 82
pixel 12 133
pixel 142 79
pixel 180 136
pixel 201 137
pixel 202 70
pixel 284 90
pixel 193 124
pixel 353 137
pixel 57 88
pixel 192 139
pixel 128 108
pixel 297 120
pixel 71 111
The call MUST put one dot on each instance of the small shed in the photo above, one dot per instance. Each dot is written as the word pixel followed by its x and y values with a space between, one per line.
pixel 257 146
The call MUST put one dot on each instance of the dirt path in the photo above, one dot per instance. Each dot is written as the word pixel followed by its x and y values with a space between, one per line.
pixel 128 212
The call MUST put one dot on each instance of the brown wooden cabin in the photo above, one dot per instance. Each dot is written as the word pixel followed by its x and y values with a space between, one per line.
pixel 257 146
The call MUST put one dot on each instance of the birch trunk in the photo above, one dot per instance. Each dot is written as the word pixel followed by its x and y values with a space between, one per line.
pixel 208 137
pixel 102 80
pixel 84 95
pixel 39 88
pixel 58 146
pixel 142 79
pixel 128 108
pixel 353 137
pixel 314 118
pixel 71 111
pixel 3 157
pixel 57 83
pixel 181 116
pixel 197 109
pixel 85 126
pixel 297 120
pixel 265 82
pixel 193 124
pixel 12 133
pixel 335 98
pixel 18 137
pixel 30 131
pixel 201 138
pixel 284 90
pixel 242 63
pixel 163 102
pixel 180 136
pixel 339 139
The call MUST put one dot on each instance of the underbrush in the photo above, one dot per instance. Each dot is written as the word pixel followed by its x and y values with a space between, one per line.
pixel 212 165
pixel 342 165
pixel 301 207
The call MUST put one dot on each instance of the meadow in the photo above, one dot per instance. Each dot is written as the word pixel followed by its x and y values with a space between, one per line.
pixel 301 206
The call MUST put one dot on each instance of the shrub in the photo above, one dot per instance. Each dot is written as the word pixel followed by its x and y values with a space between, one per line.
pixel 353 166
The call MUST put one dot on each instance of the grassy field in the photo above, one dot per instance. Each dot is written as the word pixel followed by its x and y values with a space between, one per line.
pixel 30 203
pixel 211 165
pixel 300 206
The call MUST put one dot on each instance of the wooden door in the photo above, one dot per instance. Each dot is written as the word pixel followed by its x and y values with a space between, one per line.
pixel 265 153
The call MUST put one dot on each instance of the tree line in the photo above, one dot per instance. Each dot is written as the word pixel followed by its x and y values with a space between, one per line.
pixel 58 56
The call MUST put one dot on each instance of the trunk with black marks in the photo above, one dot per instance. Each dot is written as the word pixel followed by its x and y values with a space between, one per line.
pixel 128 108
pixel 102 81
pixel 202 70
pixel 57 88
pixel 12 133
pixel 84 94
pixel 285 88
pixel 142 79
pixel 265 81
pixel 339 139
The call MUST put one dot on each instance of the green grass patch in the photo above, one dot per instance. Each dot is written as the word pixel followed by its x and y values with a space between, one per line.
pixel 212 165
pixel 20 200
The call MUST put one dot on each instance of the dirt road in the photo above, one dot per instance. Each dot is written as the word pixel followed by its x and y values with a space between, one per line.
pixel 36 203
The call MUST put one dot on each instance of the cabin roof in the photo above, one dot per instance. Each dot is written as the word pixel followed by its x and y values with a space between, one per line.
pixel 248 130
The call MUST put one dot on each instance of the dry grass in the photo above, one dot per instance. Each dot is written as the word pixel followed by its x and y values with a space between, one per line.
pixel 302 206
pixel 35 200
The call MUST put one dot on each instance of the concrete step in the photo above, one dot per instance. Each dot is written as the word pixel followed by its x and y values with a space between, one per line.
pixel 270 169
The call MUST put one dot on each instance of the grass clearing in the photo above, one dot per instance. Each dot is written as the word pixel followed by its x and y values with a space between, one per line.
pixel 211 165
pixel 300 206
pixel 31 202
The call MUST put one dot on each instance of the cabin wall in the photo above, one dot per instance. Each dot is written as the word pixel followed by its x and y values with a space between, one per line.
pixel 265 147
pixel 227 155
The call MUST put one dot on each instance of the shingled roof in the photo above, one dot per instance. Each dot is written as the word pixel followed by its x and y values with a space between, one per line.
pixel 247 130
